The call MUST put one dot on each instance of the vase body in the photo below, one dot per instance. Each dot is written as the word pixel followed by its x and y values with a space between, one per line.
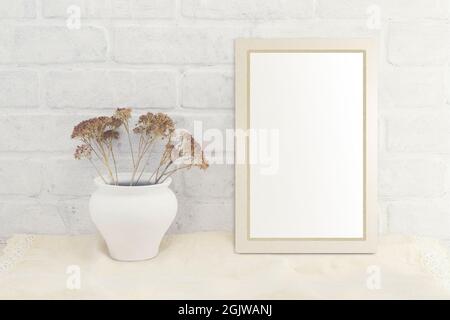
pixel 132 219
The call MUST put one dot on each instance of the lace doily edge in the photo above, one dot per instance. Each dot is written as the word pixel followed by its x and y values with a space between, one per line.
pixel 15 250
pixel 435 258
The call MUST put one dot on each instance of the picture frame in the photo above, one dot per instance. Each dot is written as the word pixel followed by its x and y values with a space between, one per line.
pixel 319 97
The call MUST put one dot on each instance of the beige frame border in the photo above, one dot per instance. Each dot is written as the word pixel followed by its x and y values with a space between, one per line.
pixel 367 244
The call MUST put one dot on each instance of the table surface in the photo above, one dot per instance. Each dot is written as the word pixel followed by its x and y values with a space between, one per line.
pixel 204 266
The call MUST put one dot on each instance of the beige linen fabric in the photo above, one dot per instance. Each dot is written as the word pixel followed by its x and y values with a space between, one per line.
pixel 204 266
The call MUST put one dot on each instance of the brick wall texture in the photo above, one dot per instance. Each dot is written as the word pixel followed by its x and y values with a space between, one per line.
pixel 176 56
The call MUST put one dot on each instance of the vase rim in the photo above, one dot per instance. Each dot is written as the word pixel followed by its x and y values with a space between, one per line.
pixel 124 180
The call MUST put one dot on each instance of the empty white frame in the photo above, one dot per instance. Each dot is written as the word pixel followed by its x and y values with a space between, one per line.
pixel 306 173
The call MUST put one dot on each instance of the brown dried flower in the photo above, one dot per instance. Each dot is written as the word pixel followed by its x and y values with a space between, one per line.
pixel 144 124
pixel 164 125
pixel 157 125
pixel 123 114
pixel 99 134
pixel 83 151
pixel 95 128
pixel 109 135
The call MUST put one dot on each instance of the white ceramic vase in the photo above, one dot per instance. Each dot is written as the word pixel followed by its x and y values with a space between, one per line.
pixel 132 219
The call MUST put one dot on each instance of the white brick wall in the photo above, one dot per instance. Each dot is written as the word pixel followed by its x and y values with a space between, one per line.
pixel 19 89
pixel 18 9
pixel 157 9
pixel 51 44
pixel 421 87
pixel 207 89
pixel 249 9
pixel 390 9
pixel 177 56
pixel 175 45
pixel 412 43
pixel 97 89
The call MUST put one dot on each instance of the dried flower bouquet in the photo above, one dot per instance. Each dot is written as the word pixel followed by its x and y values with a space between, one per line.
pixel 99 137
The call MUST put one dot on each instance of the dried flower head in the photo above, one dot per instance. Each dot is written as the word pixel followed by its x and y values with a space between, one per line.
pixel 157 125
pixel 95 128
pixel 109 135
pixel 99 134
pixel 114 123
pixel 144 123
pixel 123 114
pixel 164 125
pixel 83 152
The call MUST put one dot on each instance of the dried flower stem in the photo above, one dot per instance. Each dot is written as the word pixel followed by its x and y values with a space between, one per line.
pixel 92 148
pixel 165 158
pixel 106 162
pixel 102 158
pixel 127 129
pixel 163 172
pixel 145 147
pixel 153 174
pixel 156 172
pixel 114 161
pixel 98 171
pixel 141 141
pixel 171 172
pixel 146 162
